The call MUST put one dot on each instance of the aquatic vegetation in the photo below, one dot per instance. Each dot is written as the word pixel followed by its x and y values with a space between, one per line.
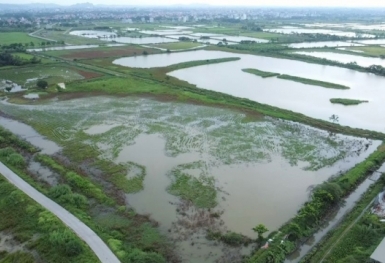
pixel 201 191
pixel 306 81
pixel 347 102
pixel 263 74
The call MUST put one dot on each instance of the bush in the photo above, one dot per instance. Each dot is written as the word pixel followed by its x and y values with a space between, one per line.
pixel 138 256
pixel 234 239
pixel 16 159
pixel 66 242
pixel 42 84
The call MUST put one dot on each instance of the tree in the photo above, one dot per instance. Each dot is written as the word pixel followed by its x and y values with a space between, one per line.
pixel 334 118
pixel 145 52
pixel 42 84
pixel 260 229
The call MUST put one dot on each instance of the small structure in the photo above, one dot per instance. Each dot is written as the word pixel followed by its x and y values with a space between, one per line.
pixel 379 254
pixel 61 85
pixel 379 206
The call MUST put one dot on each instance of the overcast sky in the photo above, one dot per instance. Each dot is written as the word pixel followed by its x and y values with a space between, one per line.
pixel 294 3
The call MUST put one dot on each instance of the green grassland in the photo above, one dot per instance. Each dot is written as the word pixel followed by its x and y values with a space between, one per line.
pixel 347 102
pixel 177 45
pixel 7 38
pixel 375 51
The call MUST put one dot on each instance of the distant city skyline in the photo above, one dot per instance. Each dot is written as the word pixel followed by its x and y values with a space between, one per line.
pixel 285 3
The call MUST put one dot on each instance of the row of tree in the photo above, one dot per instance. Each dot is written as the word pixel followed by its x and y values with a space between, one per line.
pixel 8 59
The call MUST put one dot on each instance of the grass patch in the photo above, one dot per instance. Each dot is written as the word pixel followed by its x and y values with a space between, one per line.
pixel 191 64
pixel 263 74
pixel 200 191
pixel 313 82
pixel 347 102
pixel 177 45
pixel 7 38
pixel 376 51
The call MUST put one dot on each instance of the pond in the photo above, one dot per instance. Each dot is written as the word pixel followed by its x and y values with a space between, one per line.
pixel 324 44
pixel 248 169
pixel 317 31
pixel 346 58
pixel 312 101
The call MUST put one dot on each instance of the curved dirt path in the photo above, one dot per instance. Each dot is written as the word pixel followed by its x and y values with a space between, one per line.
pixel 101 250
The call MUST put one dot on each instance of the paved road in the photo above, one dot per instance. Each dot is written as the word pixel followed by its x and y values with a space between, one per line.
pixel 101 250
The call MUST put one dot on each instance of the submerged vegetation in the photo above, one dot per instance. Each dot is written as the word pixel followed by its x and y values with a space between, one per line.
pixel 347 102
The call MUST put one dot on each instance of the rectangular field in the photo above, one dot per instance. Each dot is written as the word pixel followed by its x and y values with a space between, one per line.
pixel 7 38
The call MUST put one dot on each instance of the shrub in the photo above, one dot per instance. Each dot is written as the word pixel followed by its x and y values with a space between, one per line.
pixel 66 242
pixel 16 159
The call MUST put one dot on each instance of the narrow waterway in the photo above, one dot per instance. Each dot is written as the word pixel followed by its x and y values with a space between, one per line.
pixel 349 204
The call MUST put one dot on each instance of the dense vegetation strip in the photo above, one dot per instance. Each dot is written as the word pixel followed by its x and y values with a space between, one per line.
pixel 40 234
pixel 263 74
pixel 196 63
pixel 347 102
pixel 313 82
pixel 359 239
pixel 309 218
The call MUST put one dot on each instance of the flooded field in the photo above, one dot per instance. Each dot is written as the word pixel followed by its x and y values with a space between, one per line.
pixel 324 44
pixel 28 77
pixel 110 36
pixel 310 100
pixel 165 32
pixel 372 42
pixel 212 40
pixel 239 39
pixel 164 60
pixel 317 31
pixel 71 47
pixel 350 26
pixel 244 171
pixel 345 58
